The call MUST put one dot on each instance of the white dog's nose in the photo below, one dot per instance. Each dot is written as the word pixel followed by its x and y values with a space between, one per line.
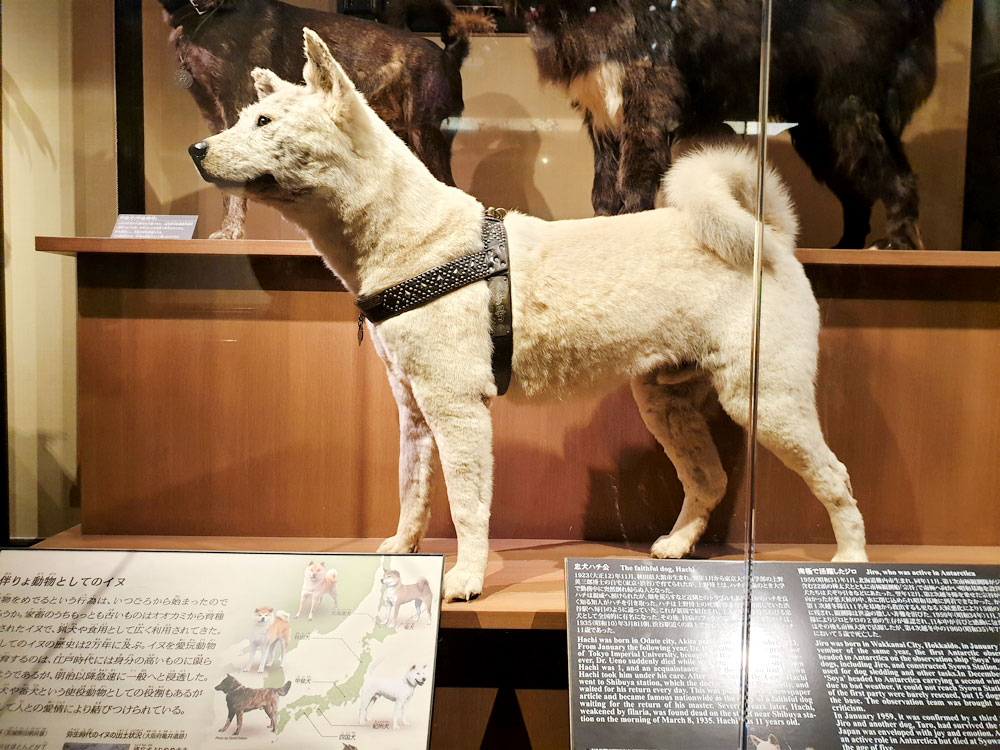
pixel 198 150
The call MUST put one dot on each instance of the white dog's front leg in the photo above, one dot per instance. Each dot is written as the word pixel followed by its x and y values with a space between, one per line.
pixel 464 436
pixel 416 455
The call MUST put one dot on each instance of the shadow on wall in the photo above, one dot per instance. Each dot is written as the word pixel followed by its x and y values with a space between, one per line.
pixel 639 500
pixel 504 174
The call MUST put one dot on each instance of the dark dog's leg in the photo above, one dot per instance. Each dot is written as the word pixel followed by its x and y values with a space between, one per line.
pixel 868 163
pixel 652 100
pixel 232 713
pixel 234 211
pixel 672 412
pixel 269 710
pixel 902 203
pixel 812 142
pixel 239 722
pixel 607 153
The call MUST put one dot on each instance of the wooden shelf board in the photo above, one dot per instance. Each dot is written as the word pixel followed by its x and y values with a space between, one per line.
pixel 524 577
pixel 304 248
pixel 75 245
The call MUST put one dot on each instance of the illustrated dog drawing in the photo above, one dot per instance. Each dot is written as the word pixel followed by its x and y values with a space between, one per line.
pixel 240 699
pixel 411 82
pixel 318 582
pixel 398 593
pixel 849 75
pixel 271 634
pixel 668 309
pixel 397 689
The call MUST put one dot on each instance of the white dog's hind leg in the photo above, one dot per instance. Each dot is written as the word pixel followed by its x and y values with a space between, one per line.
pixel 788 426
pixel 672 413
pixel 416 455
pixel 800 445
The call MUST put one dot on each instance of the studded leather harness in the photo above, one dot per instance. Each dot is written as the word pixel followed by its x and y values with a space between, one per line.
pixel 491 264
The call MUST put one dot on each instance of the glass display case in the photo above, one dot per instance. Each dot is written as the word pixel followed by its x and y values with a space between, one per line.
pixel 795 387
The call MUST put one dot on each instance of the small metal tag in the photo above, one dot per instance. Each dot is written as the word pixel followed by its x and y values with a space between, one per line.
pixel 183 78
pixel 361 328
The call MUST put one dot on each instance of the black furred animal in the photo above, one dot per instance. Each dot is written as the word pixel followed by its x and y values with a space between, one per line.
pixel 412 83
pixel 850 73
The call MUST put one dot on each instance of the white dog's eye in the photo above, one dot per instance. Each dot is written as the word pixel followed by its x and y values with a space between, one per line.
pixel 262 121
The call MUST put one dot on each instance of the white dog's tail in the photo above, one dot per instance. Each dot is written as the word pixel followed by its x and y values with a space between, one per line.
pixel 716 189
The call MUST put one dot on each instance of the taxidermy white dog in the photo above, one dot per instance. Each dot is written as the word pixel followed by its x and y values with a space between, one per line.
pixel 661 298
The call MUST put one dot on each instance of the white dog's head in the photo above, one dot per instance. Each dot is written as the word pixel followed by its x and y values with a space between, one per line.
pixel 263 615
pixel 297 142
pixel 416 675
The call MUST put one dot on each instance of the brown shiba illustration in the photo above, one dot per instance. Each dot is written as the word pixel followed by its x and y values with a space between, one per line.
pixel 240 699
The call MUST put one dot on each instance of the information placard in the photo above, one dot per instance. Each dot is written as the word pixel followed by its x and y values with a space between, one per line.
pixel 155 226
pixel 158 650
pixel 856 657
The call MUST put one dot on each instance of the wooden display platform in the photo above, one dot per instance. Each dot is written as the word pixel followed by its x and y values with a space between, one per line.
pixel 222 391
pixel 525 579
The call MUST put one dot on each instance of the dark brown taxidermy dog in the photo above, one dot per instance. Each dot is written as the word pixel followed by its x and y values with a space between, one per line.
pixel 412 83
pixel 645 72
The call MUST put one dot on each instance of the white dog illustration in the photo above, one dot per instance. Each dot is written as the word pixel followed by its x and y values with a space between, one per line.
pixel 661 298
pixel 397 689
pixel 317 583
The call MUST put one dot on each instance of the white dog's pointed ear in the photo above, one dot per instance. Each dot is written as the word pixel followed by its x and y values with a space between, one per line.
pixel 266 82
pixel 755 740
pixel 773 740
pixel 321 72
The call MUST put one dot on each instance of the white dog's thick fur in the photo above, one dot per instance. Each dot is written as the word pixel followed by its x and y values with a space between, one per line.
pixel 662 298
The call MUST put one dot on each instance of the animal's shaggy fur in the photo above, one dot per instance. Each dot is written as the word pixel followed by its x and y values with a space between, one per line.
pixel 240 699
pixel 645 72
pixel 413 84
pixel 668 309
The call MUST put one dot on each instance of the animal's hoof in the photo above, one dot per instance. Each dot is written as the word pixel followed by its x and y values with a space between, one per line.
pixel 854 556
pixel 461 584
pixel 671 547
pixel 396 545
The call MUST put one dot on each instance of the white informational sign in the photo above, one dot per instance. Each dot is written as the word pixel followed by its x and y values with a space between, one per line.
pixel 154 227
pixel 175 650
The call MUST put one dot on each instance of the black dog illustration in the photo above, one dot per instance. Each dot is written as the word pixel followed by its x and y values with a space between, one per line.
pixel 645 72
pixel 240 699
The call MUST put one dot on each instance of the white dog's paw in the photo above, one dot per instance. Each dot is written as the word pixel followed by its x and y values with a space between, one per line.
pixel 851 556
pixel 671 547
pixel 397 545
pixel 462 584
